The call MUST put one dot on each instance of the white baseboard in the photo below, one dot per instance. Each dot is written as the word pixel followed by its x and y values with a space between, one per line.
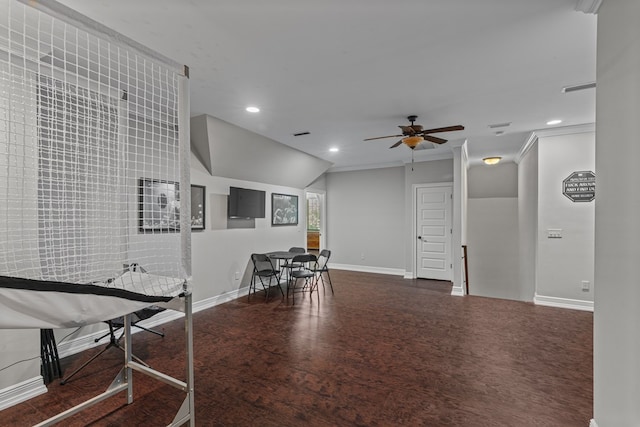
pixel 409 275
pixel 457 291
pixel 574 304
pixel 21 392
pixel 593 423
pixel 368 269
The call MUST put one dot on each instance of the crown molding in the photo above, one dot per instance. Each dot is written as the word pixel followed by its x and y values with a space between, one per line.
pixel 532 140
pixel 565 130
pixel 365 167
pixel 436 156
pixel 526 147
pixel 588 6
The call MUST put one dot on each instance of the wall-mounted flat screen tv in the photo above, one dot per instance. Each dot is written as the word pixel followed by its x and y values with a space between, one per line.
pixel 246 203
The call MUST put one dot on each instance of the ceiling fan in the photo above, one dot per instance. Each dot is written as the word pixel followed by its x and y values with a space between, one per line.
pixel 413 135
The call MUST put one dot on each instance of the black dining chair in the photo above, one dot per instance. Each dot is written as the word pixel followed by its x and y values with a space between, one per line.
pixel 321 268
pixel 305 273
pixel 294 250
pixel 264 271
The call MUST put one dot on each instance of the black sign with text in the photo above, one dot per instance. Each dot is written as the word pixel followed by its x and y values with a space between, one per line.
pixel 580 186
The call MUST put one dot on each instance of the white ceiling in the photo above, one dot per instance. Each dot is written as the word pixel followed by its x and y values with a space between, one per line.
pixel 346 70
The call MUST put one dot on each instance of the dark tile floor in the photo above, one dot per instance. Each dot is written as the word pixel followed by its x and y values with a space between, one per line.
pixel 382 351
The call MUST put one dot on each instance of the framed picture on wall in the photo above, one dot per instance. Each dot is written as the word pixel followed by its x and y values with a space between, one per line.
pixel 159 205
pixel 197 207
pixel 284 209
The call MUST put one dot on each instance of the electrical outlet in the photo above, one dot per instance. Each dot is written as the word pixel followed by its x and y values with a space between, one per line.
pixel 586 285
pixel 362 255
pixel 237 275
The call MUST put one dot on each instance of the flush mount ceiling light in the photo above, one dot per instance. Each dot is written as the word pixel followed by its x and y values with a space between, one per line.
pixel 252 109
pixel 554 122
pixel 492 160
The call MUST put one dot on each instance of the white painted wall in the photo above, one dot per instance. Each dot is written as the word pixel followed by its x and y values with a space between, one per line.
pixel 492 231
pixel 563 263
pixel 217 254
pixel 528 222
pixel 617 248
pixel 365 217
pixel 18 232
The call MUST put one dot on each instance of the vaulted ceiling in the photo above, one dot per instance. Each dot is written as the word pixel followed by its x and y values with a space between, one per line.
pixel 346 70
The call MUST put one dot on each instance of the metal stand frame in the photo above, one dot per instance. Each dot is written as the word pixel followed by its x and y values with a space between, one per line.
pixel 124 379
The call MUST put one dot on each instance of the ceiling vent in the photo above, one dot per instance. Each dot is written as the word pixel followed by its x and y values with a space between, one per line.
pixel 499 125
pixel 576 88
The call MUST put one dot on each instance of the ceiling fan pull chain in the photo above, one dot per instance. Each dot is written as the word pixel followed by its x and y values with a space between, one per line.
pixel 411 160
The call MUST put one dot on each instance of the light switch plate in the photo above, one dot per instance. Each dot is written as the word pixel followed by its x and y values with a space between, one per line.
pixel 554 233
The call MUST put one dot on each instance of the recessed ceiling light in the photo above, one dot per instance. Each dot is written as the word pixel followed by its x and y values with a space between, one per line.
pixel 554 122
pixel 334 149
pixel 253 109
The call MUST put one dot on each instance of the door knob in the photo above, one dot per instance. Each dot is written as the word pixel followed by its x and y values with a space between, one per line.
pixel 420 237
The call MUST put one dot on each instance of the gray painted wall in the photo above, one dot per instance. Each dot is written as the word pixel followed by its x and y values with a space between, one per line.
pixel 499 180
pixel 492 242
pixel 226 150
pixel 492 230
pixel 528 222
pixel 365 217
pixel 564 263
pixel 617 249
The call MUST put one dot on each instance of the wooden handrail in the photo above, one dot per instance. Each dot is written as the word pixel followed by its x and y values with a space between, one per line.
pixel 466 268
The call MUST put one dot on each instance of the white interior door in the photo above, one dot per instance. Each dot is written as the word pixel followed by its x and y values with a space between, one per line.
pixel 434 232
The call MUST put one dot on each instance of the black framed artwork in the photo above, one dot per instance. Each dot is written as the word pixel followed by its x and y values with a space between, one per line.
pixel 284 209
pixel 197 207
pixel 159 205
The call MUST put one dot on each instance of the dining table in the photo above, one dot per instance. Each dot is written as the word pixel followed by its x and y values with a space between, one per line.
pixel 279 256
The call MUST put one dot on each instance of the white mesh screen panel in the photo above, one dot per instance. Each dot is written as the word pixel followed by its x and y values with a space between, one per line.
pixel 91 165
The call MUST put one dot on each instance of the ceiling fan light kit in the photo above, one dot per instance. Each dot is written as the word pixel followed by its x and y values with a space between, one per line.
pixel 412 141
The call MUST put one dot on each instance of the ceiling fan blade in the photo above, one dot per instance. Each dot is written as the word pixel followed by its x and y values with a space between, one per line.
pixel 434 139
pixel 382 137
pixel 416 128
pixel 396 144
pixel 445 129
pixel 407 130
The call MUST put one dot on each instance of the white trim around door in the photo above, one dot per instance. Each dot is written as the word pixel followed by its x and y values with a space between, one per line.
pixel 432 230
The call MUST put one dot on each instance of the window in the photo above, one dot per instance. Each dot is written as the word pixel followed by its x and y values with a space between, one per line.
pixel 313 212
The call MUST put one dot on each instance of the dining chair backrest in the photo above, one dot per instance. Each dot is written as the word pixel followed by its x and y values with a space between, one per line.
pixel 262 263
pixel 323 259
pixel 304 259
pixel 297 250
